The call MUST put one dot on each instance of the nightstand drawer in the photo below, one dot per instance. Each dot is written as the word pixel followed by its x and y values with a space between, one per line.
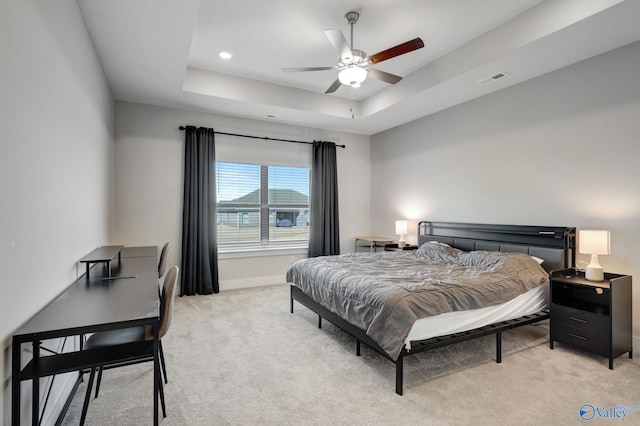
pixel 585 338
pixel 563 316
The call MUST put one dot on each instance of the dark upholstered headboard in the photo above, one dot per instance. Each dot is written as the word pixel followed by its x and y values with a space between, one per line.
pixel 554 244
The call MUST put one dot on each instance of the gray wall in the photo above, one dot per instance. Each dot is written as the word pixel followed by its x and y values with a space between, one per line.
pixel 149 161
pixel 561 149
pixel 56 161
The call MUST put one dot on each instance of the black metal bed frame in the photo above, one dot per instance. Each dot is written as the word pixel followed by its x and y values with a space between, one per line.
pixel 556 245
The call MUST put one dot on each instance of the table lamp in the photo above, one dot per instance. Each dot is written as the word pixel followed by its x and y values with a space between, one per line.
pixel 594 242
pixel 401 229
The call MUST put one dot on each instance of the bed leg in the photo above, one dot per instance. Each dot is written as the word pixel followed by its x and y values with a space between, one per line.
pixel 291 298
pixel 399 374
pixel 357 347
pixel 499 347
pixel 319 321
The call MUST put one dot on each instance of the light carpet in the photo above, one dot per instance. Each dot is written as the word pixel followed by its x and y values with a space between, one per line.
pixel 240 358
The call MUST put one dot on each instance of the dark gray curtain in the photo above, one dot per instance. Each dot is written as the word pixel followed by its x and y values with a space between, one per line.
pixel 199 245
pixel 324 232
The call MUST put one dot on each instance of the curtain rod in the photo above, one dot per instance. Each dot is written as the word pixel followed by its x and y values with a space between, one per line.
pixel 265 138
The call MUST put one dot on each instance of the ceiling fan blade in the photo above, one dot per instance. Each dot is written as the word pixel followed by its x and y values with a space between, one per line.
pixel 398 50
pixel 384 76
pixel 339 43
pixel 333 87
pixel 308 69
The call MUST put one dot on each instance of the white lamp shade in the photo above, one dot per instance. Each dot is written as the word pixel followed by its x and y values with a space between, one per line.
pixel 401 227
pixel 352 76
pixel 594 241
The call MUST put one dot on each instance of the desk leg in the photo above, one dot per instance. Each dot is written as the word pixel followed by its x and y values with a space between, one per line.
pixel 156 373
pixel 15 382
pixel 81 345
pixel 35 398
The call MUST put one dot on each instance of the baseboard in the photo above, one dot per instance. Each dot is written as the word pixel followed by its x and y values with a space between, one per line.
pixel 251 282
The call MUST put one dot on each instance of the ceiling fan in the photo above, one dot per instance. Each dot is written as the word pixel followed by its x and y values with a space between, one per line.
pixel 353 64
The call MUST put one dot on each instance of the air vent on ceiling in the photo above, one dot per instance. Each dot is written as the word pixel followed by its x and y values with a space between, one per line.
pixel 494 77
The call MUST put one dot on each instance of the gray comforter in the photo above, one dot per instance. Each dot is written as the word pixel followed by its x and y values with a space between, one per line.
pixel 384 293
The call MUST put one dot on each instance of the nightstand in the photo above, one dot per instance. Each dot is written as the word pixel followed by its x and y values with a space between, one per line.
pixel 592 315
pixel 394 247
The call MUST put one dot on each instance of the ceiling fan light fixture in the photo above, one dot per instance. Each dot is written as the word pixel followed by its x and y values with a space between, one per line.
pixel 352 76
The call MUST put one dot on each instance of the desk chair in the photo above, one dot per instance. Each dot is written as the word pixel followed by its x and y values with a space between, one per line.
pixel 163 260
pixel 134 335
pixel 162 263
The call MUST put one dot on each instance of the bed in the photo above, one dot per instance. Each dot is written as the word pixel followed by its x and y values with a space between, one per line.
pixel 464 281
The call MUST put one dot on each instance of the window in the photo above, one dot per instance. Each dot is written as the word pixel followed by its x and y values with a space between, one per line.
pixel 262 205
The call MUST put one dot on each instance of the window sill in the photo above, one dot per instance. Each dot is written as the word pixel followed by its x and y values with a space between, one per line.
pixel 244 252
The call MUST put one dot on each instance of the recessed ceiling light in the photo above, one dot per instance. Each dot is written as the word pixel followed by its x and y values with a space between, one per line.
pixel 225 55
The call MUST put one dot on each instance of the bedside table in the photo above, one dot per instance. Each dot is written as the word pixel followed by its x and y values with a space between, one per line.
pixel 394 247
pixel 592 315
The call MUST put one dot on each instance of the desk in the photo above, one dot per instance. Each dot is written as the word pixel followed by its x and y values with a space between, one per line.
pixel 89 305
pixel 394 247
pixel 373 242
